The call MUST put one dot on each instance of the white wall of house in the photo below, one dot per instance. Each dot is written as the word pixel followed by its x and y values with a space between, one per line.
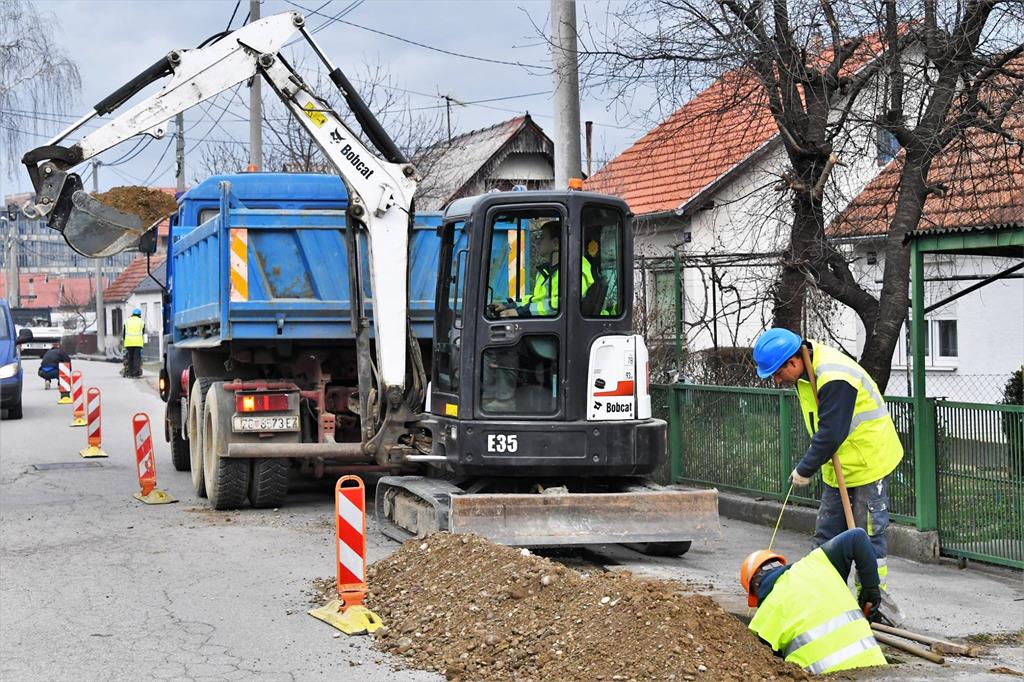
pixel 524 167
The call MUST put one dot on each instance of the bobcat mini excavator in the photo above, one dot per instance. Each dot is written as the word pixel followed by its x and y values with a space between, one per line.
pixel 534 425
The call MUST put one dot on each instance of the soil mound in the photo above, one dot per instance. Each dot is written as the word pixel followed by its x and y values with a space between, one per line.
pixel 473 610
pixel 150 205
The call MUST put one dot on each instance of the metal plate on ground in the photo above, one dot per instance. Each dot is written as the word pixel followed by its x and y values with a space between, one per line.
pixel 67 465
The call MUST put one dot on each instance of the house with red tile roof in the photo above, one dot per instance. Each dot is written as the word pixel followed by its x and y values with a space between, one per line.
pixel 975 341
pixel 702 182
pixel 701 187
pixel 118 301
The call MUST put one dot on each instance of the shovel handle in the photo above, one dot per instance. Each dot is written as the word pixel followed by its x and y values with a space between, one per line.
pixel 844 494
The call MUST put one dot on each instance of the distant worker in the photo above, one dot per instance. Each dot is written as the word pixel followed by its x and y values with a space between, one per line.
pixel 853 422
pixel 805 611
pixel 133 337
pixel 49 366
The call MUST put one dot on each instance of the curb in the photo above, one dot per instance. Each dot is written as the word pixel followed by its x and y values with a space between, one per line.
pixel 903 541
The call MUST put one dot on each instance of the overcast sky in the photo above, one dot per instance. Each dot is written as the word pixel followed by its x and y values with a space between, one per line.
pixel 112 40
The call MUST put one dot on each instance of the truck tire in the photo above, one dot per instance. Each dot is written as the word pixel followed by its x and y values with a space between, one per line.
pixel 269 484
pixel 195 433
pixel 179 451
pixel 227 480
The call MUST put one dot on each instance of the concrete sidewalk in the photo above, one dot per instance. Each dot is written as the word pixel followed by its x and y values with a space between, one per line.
pixel 937 599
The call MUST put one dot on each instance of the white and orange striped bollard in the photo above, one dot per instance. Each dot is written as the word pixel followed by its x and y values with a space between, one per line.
pixel 64 383
pixel 93 432
pixel 145 463
pixel 78 394
pixel 347 613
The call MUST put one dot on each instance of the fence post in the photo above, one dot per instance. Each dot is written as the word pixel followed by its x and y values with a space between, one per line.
pixel 675 434
pixel 925 478
pixel 785 442
pixel 677 293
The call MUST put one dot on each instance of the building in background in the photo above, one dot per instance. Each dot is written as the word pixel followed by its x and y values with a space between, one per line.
pixel 147 296
pixel 503 156
pixel 117 301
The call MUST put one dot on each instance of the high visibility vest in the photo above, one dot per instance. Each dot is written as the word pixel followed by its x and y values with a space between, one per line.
pixel 134 332
pixel 872 448
pixel 812 619
pixel 543 301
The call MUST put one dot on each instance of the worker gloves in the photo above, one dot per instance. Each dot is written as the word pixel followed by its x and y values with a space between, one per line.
pixel 870 601
pixel 799 480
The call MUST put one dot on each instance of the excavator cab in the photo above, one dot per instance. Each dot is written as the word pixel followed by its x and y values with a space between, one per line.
pixel 536 371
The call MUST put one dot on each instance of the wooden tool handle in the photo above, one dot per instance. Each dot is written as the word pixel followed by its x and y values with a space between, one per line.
pixel 902 645
pixel 844 495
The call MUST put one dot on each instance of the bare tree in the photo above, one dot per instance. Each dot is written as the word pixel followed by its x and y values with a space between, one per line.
pixel 34 74
pixel 288 148
pixel 927 72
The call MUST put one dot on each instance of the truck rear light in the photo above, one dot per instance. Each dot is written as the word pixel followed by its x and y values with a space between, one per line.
pixel 261 402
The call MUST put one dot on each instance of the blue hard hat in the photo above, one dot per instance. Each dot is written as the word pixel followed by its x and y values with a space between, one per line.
pixel 773 348
pixel 136 312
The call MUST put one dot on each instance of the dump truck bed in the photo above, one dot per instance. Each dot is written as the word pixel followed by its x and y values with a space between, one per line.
pixel 281 274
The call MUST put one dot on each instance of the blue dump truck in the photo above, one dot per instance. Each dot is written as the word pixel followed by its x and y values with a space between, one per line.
pixel 258 297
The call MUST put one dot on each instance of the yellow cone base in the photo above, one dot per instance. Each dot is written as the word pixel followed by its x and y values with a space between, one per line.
pixel 64 400
pixel 154 497
pixel 79 421
pixel 92 451
pixel 355 620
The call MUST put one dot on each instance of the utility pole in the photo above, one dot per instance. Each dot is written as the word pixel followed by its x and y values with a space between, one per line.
pixel 101 317
pixel 255 104
pixel 567 92
pixel 179 122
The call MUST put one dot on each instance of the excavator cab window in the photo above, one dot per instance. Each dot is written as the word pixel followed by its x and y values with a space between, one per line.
pixel 450 299
pixel 600 294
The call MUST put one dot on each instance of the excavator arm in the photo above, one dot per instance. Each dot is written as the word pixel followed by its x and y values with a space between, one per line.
pixel 380 191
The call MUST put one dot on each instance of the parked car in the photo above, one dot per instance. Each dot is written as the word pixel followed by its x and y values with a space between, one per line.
pixel 10 363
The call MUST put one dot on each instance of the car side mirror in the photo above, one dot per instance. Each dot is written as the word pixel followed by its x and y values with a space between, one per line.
pixel 147 242
pixel 24 336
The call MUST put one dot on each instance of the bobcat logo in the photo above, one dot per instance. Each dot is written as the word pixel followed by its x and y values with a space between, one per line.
pixel 597 405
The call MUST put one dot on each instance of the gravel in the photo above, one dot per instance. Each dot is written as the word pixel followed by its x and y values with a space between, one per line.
pixel 473 610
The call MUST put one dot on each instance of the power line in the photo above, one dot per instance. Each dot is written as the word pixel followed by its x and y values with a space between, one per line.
pixel 413 42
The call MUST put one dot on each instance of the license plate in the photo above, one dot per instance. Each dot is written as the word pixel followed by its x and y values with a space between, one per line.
pixel 279 423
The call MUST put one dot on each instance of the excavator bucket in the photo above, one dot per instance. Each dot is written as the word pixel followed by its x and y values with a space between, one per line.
pixel 96 230
pixel 652 515
pixel 89 227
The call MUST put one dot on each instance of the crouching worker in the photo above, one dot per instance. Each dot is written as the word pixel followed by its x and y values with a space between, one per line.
pixel 806 612
pixel 49 366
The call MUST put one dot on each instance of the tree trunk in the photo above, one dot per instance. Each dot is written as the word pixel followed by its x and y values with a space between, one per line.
pixel 790 290
pixel 894 300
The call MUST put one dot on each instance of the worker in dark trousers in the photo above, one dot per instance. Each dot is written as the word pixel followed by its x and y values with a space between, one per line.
pixel 49 366
pixel 849 419
pixel 805 611
pixel 133 337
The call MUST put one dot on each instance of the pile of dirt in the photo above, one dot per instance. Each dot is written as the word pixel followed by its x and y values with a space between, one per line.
pixel 473 610
pixel 150 205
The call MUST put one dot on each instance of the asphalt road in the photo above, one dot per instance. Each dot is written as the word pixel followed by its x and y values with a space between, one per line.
pixel 97 586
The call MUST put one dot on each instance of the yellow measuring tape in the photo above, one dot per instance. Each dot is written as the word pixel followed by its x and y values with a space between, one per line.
pixel 776 530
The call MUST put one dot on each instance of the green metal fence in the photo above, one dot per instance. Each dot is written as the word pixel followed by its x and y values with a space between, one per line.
pixel 748 440
pixel 979 451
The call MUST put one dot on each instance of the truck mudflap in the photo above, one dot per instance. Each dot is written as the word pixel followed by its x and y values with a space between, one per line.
pixel 411 506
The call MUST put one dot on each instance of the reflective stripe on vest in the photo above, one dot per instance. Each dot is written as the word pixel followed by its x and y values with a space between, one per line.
pixel 134 332
pixel 544 300
pixel 811 617
pixel 841 656
pixel 872 448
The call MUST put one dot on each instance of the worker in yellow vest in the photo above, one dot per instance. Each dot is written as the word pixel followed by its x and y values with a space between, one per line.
pixel 849 419
pixel 805 611
pixel 133 338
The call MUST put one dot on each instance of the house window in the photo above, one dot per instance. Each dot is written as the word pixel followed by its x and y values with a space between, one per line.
pixel 664 300
pixel 946 333
pixel 886 145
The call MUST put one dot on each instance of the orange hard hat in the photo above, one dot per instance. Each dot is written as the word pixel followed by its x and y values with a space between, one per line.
pixel 751 565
